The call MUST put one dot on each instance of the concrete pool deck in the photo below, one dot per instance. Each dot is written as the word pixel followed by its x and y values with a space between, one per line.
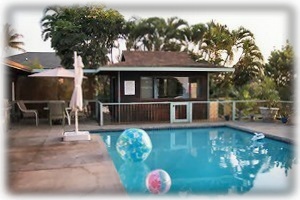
pixel 39 162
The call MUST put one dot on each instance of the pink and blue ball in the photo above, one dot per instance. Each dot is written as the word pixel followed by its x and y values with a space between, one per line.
pixel 158 182
pixel 134 145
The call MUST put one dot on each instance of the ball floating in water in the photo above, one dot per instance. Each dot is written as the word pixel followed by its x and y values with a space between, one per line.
pixel 158 181
pixel 134 145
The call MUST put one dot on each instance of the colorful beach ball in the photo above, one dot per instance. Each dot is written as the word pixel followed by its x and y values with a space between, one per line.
pixel 158 182
pixel 134 145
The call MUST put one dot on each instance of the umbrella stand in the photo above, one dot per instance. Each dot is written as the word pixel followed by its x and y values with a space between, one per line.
pixel 76 135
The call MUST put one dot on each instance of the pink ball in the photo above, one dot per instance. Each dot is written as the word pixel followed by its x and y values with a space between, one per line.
pixel 158 181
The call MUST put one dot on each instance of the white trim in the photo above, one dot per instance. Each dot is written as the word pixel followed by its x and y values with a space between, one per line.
pixel 44 69
pixel 90 71
pixel 147 69
pixel 85 71
pixel 174 69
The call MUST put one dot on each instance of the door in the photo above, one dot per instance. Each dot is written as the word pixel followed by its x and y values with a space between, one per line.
pixel 180 112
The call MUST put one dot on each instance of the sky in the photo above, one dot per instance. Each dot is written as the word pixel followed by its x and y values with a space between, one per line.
pixel 272 25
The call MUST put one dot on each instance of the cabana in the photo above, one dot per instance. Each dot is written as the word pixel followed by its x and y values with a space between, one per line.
pixel 158 86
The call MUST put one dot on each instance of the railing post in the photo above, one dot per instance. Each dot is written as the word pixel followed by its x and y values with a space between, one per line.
pixel 190 113
pixel 171 112
pixel 101 114
pixel 119 113
pixel 233 110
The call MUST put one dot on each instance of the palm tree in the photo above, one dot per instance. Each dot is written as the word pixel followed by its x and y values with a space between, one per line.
pixel 192 39
pixel 220 47
pixel 154 34
pixel 172 35
pixel 148 33
pixel 12 39
pixel 217 42
pixel 237 38
pixel 250 65
pixel 51 15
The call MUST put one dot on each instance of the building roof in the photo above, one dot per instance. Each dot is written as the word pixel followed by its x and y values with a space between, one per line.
pixel 159 59
pixel 46 59
pixel 131 61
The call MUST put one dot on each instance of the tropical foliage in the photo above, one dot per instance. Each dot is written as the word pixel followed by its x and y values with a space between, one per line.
pixel 89 30
pixel 154 34
pixel 280 69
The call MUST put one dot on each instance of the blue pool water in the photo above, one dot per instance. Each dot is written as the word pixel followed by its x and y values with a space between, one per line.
pixel 215 160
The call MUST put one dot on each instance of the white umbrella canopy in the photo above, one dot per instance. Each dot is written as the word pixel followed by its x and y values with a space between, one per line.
pixel 57 73
pixel 60 72
pixel 77 101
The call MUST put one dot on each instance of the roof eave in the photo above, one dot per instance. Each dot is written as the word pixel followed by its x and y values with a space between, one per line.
pixel 85 71
pixel 17 66
pixel 173 69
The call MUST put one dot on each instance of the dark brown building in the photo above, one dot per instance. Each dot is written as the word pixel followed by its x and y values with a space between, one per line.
pixel 143 76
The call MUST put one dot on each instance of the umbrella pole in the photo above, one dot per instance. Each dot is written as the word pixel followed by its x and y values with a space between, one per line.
pixel 76 121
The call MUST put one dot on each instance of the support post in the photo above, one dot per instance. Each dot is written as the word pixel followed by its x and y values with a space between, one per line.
pixel 233 110
pixel 101 114
pixel 119 96
pixel 190 113
pixel 171 113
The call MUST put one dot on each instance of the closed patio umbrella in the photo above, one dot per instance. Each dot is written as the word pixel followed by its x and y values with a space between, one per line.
pixel 76 102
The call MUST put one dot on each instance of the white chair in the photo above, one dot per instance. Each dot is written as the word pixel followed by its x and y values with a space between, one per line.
pixel 28 113
pixel 57 112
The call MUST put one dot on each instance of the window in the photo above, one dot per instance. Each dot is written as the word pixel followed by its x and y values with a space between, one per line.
pixel 170 87
pixel 195 88
pixel 146 87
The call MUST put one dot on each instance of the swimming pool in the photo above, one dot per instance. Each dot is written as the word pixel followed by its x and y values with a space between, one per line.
pixel 213 160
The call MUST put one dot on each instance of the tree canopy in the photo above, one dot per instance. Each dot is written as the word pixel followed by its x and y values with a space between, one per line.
pixel 280 68
pixel 89 30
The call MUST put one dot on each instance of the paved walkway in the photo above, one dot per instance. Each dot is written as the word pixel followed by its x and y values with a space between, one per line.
pixel 39 162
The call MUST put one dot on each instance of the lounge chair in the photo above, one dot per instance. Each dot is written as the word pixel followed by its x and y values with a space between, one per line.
pixel 28 113
pixel 57 112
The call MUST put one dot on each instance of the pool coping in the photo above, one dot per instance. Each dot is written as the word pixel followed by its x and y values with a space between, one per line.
pixel 183 126
pixel 268 135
